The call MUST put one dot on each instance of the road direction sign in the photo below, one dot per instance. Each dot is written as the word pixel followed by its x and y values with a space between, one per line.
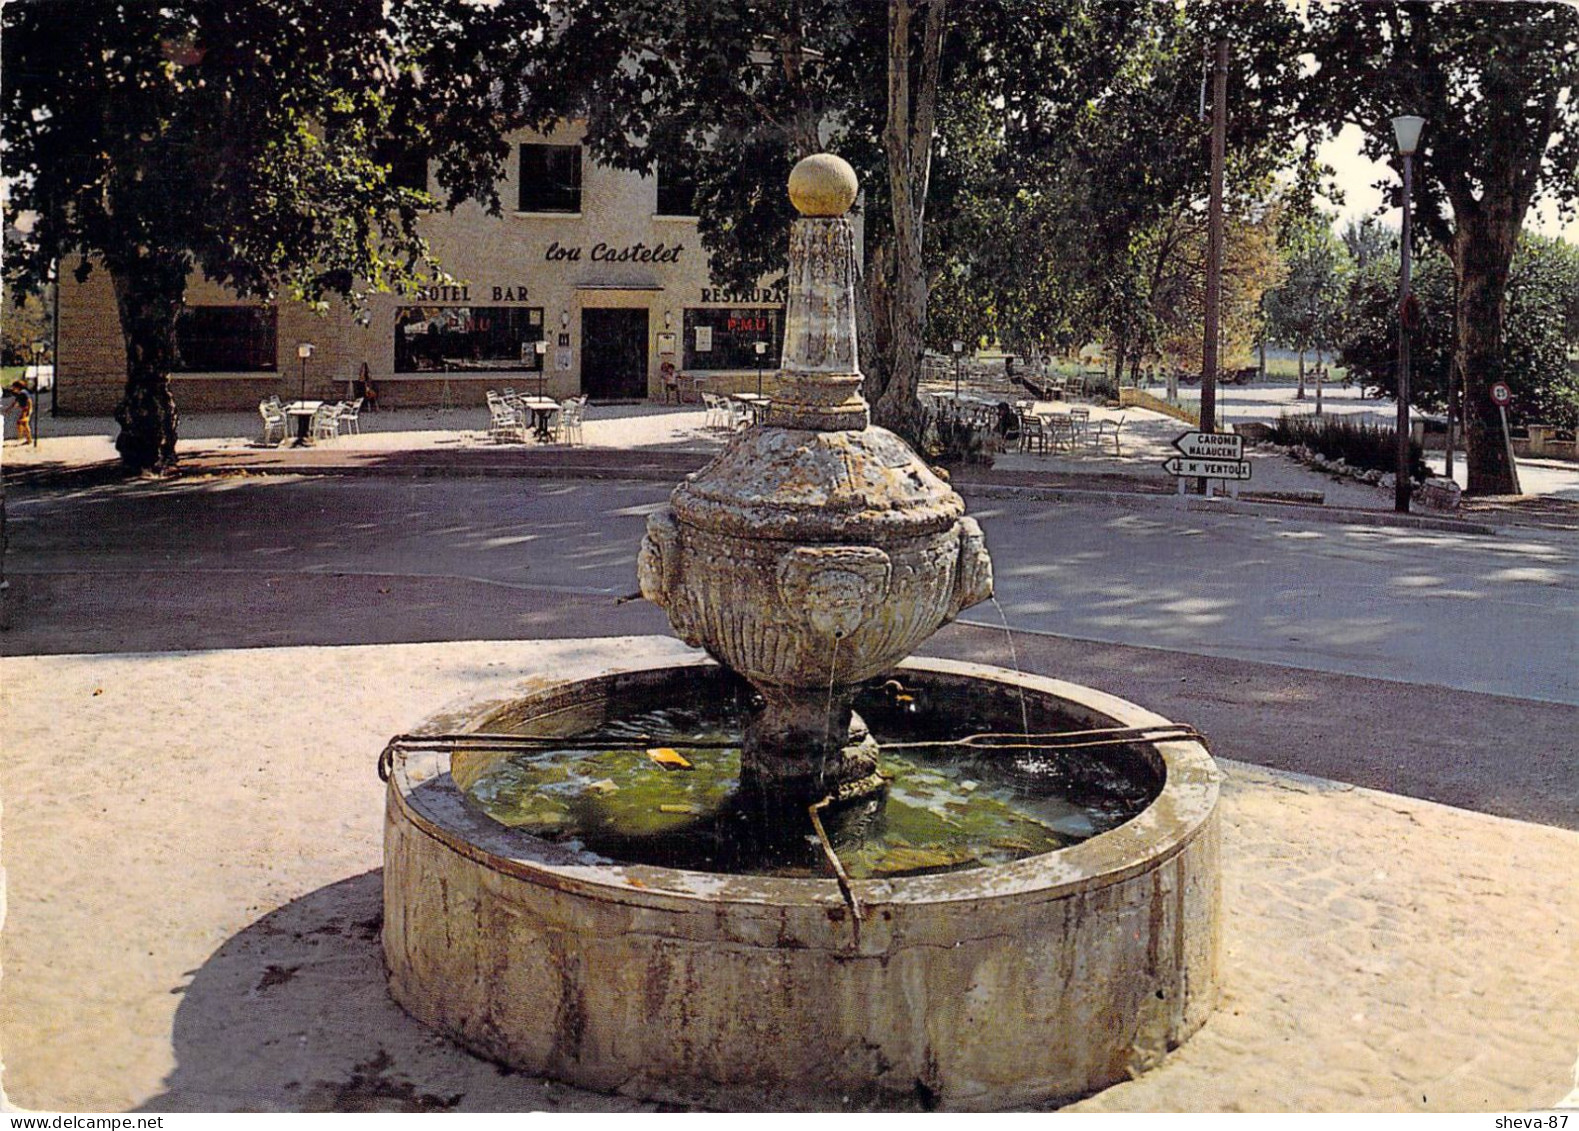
pixel 1211 445
pixel 1501 395
pixel 1208 468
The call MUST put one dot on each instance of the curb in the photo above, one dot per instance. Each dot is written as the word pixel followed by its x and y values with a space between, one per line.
pixel 1151 500
pixel 678 465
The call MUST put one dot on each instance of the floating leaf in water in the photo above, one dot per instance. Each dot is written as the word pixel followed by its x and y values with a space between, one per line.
pixel 604 786
pixel 690 810
pixel 668 758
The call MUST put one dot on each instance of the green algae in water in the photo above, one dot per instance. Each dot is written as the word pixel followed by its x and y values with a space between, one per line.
pixel 943 811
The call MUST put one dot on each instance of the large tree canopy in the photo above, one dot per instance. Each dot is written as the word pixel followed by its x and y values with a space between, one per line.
pixel 1538 331
pixel 246 139
pixel 1498 86
pixel 994 139
pixel 736 93
pixel 1071 204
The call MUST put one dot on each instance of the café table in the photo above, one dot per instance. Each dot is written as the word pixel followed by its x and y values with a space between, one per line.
pixel 755 403
pixel 303 412
pixel 542 410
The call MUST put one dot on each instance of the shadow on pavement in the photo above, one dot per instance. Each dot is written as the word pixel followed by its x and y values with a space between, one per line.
pixel 1489 753
pixel 292 1014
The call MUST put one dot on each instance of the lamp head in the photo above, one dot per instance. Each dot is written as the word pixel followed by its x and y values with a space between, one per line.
pixel 1406 130
pixel 304 350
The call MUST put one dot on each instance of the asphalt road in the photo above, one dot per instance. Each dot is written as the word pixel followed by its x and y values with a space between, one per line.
pixel 1495 614
pixel 1436 665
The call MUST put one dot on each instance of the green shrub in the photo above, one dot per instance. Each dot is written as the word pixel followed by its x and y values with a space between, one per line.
pixel 1357 443
pixel 1101 387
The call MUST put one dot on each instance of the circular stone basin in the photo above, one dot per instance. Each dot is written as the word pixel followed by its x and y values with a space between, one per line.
pixel 1041 979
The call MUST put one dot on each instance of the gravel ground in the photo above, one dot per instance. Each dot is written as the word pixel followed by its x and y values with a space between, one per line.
pixel 193 853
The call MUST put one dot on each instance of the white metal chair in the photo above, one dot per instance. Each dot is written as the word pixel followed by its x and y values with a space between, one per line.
pixel 1060 431
pixel 326 422
pixel 350 411
pixel 738 415
pixel 504 422
pixel 1105 428
pixel 572 413
pixel 275 425
pixel 717 415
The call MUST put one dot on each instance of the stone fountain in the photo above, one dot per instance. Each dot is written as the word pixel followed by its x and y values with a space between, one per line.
pixel 810 557
pixel 817 551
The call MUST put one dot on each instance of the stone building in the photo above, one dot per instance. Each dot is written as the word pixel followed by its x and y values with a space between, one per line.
pixel 586 283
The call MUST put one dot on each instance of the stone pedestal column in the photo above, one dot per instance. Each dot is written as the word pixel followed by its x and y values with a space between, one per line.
pixel 816 551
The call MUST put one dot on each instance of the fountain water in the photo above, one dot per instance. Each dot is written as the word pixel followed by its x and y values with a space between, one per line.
pixel 810 557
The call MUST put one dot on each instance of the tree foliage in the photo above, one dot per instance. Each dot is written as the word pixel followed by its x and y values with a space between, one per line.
pixel 244 139
pixel 1070 130
pixel 1306 308
pixel 1538 335
pixel 1089 222
pixel 1496 85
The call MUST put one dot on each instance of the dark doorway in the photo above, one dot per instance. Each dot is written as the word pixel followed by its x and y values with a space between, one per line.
pixel 614 354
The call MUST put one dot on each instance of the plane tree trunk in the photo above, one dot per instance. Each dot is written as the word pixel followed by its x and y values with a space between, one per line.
pixel 907 144
pixel 1482 251
pixel 149 289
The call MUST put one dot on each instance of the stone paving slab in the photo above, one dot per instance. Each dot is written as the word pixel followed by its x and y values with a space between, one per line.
pixel 192 843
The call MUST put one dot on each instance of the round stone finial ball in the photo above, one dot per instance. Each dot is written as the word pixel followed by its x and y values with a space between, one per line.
pixel 822 185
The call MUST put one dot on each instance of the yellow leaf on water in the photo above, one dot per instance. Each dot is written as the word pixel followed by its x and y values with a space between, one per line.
pixel 668 758
pixel 690 810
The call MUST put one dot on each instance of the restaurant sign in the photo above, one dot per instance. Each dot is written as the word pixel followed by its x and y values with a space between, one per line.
pixel 637 252
pixel 749 295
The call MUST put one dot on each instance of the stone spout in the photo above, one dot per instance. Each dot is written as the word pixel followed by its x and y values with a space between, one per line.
pixel 974 579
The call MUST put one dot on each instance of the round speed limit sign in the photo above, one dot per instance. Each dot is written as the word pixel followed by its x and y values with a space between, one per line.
pixel 1501 395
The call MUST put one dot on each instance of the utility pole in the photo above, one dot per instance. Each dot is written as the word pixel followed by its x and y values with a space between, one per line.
pixel 1214 241
pixel 1214 247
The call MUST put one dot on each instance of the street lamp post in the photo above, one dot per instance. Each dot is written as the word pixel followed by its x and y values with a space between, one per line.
pixel 38 386
pixel 762 348
pixel 959 348
pixel 1406 129
pixel 304 350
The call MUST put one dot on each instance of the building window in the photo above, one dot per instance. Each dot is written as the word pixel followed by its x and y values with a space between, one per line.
pixel 436 338
pixel 226 339
pixel 716 338
pixel 408 164
pixel 676 191
pixel 550 178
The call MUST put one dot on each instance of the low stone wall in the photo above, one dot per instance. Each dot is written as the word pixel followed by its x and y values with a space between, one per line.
pixel 1135 398
pixel 1436 493
pixel 1547 442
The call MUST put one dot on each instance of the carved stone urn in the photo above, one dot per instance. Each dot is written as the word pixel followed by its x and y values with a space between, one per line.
pixel 815 551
